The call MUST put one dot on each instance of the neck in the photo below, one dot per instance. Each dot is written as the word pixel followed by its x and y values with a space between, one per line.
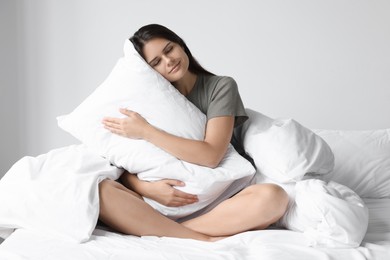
pixel 185 84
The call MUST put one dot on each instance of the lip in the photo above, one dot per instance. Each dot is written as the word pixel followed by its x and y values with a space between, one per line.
pixel 175 68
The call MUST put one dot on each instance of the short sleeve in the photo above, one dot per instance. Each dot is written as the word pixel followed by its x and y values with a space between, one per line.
pixel 226 101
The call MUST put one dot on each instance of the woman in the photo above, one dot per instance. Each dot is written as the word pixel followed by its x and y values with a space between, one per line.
pixel 250 207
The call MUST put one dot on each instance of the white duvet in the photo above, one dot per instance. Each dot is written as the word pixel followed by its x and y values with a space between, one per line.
pixel 329 214
pixel 57 194
pixel 252 245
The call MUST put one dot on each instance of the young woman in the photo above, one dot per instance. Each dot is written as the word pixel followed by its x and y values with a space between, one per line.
pixel 242 207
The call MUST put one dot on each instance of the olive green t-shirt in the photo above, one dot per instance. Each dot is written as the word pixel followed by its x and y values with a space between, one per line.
pixel 218 96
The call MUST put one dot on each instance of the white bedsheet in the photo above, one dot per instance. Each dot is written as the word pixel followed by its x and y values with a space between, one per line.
pixel 265 245
pixel 57 194
pixel 40 244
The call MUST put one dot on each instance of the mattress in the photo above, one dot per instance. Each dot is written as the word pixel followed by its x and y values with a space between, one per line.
pixel 265 244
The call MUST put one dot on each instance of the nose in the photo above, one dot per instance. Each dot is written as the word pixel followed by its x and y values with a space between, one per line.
pixel 168 60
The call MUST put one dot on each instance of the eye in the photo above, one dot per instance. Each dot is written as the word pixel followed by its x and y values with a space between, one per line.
pixel 169 49
pixel 155 63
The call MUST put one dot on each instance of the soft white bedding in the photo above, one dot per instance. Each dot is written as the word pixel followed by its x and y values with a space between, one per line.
pixel 51 200
pixel 379 221
pixel 57 194
pixel 329 214
pixel 266 244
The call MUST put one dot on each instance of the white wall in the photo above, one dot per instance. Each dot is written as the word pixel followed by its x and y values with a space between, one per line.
pixel 9 101
pixel 324 63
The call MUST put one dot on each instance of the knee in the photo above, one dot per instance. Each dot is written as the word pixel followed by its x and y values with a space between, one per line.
pixel 272 197
pixel 279 197
pixel 106 190
pixel 105 186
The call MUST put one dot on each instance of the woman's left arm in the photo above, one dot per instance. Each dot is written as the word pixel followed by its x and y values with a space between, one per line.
pixel 208 152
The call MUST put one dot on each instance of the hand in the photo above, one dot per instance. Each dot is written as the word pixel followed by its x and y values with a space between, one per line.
pixel 133 126
pixel 164 193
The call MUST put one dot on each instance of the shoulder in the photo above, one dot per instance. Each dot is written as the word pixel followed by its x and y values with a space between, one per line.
pixel 224 98
pixel 221 83
pixel 224 80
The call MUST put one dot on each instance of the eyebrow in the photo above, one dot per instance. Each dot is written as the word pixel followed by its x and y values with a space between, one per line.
pixel 166 46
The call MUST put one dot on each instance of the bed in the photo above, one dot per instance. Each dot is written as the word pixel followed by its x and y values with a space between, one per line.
pixel 267 244
pixel 337 181
pixel 365 151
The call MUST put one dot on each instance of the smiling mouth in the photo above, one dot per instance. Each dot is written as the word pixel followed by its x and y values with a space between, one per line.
pixel 175 68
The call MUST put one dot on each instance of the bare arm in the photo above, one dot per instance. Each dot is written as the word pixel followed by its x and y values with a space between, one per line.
pixel 208 152
pixel 162 191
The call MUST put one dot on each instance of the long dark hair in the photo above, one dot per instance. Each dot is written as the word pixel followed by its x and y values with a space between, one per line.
pixel 152 31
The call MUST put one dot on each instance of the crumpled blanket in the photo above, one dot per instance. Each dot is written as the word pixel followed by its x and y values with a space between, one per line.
pixel 55 193
pixel 329 214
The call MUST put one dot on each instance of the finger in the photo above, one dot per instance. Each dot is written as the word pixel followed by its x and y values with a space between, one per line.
pixel 112 120
pixel 112 125
pixel 184 195
pixel 182 202
pixel 173 182
pixel 126 111
pixel 114 130
pixel 178 203
pixel 175 204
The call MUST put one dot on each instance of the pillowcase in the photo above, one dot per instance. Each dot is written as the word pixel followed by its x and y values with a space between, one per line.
pixel 284 150
pixel 362 160
pixel 54 193
pixel 133 84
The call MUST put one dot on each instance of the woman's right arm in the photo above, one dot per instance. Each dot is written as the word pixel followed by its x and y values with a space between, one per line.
pixel 162 191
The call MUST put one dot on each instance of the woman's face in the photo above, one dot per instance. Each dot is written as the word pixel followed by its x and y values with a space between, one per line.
pixel 167 58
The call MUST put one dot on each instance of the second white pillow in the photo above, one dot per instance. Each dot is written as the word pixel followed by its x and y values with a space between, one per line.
pixel 362 160
pixel 284 150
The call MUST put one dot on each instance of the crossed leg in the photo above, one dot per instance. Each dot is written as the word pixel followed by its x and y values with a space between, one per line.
pixel 126 212
pixel 255 207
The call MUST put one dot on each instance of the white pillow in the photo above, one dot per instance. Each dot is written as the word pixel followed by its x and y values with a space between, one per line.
pixel 54 193
pixel 135 85
pixel 283 149
pixel 362 160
